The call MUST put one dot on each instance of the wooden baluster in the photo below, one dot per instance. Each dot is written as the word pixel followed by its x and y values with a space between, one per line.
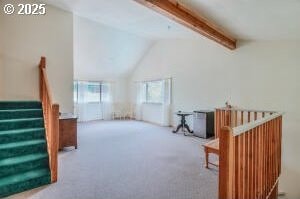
pixel 250 157
pixel 266 161
pixel 255 162
pixel 243 167
pixel 242 117
pixel 235 118
pixel 241 164
pixel 246 185
pixel 260 162
pixel 237 167
pixel 273 152
pixel 268 157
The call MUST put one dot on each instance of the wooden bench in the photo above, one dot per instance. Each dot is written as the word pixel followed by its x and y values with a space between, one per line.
pixel 211 147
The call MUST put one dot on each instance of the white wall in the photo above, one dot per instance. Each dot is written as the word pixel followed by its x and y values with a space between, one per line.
pixel 258 75
pixel 152 113
pixel 23 40
pixel 1 77
pixel 105 53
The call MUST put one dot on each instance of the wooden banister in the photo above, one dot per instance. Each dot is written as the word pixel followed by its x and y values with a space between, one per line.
pixel 51 118
pixel 250 158
pixel 234 117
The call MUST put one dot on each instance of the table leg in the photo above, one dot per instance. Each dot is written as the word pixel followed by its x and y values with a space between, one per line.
pixel 187 128
pixel 177 129
pixel 206 159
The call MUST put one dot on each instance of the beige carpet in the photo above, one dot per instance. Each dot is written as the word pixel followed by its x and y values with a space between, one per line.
pixel 131 160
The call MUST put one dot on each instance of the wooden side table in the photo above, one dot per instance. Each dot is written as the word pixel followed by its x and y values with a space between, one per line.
pixel 67 132
pixel 211 147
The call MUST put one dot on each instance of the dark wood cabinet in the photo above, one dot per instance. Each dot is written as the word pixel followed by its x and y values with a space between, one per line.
pixel 67 132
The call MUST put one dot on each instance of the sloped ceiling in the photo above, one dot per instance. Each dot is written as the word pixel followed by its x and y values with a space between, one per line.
pixel 252 19
pixel 126 15
pixel 245 19
pixel 135 27
pixel 105 53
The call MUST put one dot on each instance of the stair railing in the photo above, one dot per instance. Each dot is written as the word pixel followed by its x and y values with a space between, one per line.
pixel 234 117
pixel 250 155
pixel 51 118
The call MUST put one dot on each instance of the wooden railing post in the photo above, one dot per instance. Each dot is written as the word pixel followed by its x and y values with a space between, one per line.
pixel 55 137
pixel 226 163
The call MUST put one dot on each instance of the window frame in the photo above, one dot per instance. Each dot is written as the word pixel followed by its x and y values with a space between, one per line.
pixel 87 82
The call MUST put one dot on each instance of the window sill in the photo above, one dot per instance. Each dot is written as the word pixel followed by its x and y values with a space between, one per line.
pixel 89 103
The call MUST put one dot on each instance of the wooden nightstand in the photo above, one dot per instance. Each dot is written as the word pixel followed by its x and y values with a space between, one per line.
pixel 67 131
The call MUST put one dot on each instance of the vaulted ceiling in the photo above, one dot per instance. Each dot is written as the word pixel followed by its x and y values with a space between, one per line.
pixel 263 20
pixel 244 19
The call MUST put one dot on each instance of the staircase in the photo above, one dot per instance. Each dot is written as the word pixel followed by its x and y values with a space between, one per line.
pixel 24 161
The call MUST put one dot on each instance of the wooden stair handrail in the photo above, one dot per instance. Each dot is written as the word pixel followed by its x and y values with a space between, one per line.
pixel 51 118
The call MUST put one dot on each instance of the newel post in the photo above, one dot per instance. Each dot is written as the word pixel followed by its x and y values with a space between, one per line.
pixel 54 140
pixel 42 65
pixel 226 163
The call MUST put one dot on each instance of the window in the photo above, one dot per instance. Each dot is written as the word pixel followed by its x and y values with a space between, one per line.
pixel 93 92
pixel 154 91
pixel 87 92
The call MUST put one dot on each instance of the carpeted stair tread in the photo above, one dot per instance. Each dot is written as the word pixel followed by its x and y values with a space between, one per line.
pixel 22 144
pixel 20 113
pixel 23 163
pixel 22 159
pixel 18 135
pixel 17 131
pixel 24 181
pixel 11 124
pixel 20 109
pixel 20 119
pixel 5 105
pixel 13 179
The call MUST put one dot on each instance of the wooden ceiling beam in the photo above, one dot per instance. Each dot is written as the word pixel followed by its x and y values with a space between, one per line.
pixel 185 17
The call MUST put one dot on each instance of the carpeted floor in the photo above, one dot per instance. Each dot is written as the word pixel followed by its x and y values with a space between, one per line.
pixel 131 160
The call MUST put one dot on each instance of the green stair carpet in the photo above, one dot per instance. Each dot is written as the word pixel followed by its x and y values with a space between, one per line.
pixel 24 162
